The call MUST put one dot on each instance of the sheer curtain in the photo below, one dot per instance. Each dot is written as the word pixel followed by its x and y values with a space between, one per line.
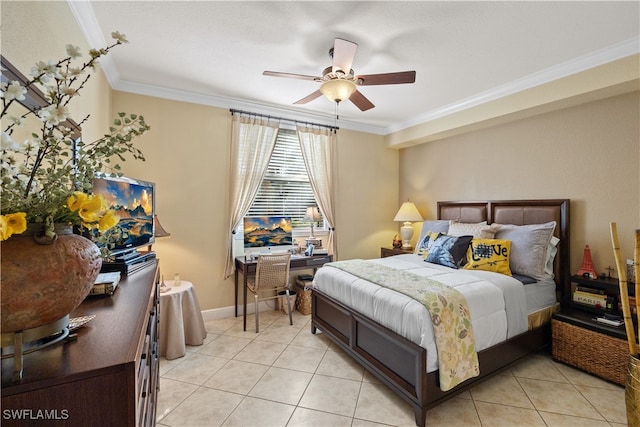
pixel 319 154
pixel 252 141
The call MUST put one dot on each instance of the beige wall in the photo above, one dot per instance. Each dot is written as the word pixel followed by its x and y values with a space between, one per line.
pixel 56 27
pixel 589 154
pixel 187 151
pixel 187 155
pixel 367 195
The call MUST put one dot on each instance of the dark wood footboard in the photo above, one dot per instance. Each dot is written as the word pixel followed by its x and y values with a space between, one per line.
pixel 394 360
pixel 401 364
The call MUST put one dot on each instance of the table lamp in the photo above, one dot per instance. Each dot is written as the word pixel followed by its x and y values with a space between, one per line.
pixel 407 214
pixel 312 215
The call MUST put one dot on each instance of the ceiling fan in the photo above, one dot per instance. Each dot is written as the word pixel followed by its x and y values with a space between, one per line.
pixel 339 81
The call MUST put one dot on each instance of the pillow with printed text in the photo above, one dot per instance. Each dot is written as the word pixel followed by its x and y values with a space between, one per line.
pixel 489 255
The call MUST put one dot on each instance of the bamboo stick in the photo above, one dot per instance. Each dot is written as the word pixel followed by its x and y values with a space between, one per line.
pixel 624 291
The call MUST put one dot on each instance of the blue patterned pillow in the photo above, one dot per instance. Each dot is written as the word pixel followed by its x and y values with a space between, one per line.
pixel 445 250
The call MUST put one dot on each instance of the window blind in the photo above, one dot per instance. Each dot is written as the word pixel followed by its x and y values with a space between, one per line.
pixel 285 189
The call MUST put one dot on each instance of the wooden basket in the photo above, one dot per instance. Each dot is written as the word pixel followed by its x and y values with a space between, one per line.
pixel 598 354
pixel 303 303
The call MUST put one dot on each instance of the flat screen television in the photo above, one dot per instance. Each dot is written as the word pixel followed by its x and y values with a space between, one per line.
pixel 134 203
pixel 267 231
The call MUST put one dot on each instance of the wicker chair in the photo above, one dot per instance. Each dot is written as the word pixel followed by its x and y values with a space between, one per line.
pixel 272 276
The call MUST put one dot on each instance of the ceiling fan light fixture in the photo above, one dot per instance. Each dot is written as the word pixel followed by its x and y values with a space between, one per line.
pixel 337 90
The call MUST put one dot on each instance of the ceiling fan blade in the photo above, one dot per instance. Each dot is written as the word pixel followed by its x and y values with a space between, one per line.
pixel 343 53
pixel 361 101
pixel 308 98
pixel 289 75
pixel 388 78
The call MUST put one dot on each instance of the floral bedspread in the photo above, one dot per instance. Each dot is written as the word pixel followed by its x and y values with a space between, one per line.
pixel 457 357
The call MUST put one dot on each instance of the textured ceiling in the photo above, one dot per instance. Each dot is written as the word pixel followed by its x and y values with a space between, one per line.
pixel 214 52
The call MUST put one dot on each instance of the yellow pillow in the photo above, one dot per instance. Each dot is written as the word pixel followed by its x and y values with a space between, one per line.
pixel 489 255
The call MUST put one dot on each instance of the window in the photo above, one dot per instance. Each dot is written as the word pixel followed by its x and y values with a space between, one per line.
pixel 285 189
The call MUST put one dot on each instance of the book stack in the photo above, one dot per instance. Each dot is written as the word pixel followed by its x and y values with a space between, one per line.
pixel 105 283
pixel 589 296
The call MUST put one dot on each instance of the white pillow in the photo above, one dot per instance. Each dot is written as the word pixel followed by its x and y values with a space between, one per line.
pixel 552 250
pixel 479 230
pixel 529 245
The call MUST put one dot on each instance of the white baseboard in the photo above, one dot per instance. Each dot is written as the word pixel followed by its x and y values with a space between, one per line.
pixel 218 313
pixel 221 313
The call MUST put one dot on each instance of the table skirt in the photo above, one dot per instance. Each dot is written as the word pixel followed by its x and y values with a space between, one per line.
pixel 181 322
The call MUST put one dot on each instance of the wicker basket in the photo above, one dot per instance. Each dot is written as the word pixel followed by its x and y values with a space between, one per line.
pixel 598 354
pixel 632 392
pixel 282 301
pixel 303 303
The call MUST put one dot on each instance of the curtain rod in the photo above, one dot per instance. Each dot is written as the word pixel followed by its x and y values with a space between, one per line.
pixel 233 111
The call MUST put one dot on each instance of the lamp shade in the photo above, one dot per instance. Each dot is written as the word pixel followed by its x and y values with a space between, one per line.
pixel 159 230
pixel 312 214
pixel 408 213
pixel 338 90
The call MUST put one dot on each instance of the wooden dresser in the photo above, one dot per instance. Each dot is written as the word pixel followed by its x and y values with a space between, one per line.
pixel 108 376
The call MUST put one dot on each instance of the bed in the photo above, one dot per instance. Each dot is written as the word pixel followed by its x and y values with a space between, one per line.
pixel 401 362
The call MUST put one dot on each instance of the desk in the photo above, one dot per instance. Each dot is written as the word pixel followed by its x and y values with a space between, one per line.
pixel 298 262
pixel 180 320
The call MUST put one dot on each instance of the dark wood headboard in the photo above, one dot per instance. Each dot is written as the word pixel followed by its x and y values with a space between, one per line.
pixel 521 212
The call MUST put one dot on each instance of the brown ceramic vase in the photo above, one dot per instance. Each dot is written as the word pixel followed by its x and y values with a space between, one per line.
pixel 42 283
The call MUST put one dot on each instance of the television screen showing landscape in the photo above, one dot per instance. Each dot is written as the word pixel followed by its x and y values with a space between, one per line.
pixel 263 231
pixel 132 201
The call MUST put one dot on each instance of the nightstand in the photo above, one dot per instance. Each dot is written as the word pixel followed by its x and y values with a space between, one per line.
pixel 580 341
pixel 386 251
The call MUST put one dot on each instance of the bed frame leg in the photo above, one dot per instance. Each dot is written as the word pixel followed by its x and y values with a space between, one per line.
pixel 421 416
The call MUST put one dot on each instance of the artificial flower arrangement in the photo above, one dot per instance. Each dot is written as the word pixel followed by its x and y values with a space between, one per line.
pixel 48 177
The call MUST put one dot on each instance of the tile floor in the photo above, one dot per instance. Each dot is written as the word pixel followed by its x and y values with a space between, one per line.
pixel 285 376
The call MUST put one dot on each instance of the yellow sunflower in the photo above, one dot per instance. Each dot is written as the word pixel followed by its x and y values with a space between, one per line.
pixel 14 223
pixel 76 200
pixel 108 220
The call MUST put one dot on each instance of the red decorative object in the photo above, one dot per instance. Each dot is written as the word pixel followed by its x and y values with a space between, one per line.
pixel 587 265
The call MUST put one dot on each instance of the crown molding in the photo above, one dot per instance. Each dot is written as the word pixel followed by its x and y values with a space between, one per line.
pixel 574 66
pixel 232 103
pixel 87 21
